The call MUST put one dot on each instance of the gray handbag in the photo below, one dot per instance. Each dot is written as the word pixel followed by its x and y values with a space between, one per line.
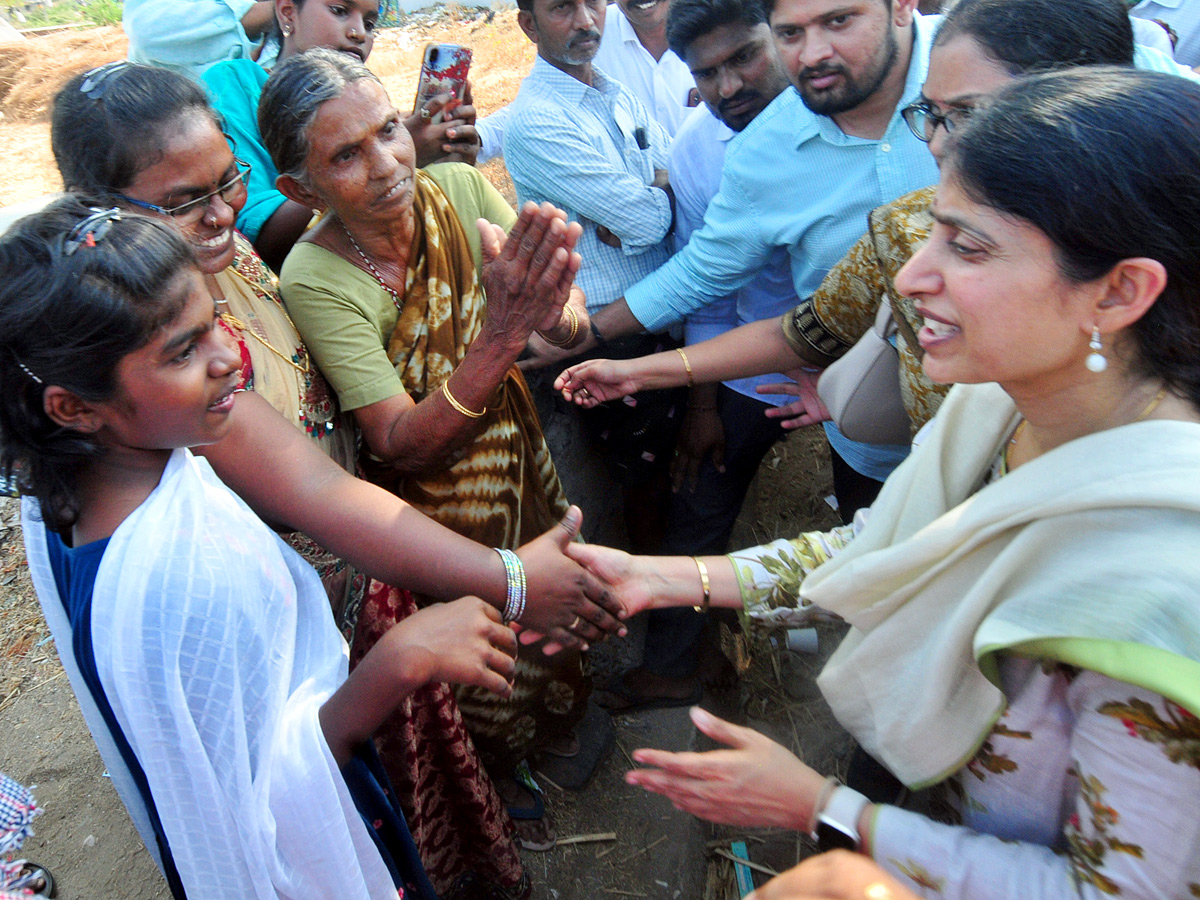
pixel 862 389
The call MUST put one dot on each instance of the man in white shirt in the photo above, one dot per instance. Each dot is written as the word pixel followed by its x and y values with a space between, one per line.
pixel 1184 18
pixel 634 51
pixel 581 140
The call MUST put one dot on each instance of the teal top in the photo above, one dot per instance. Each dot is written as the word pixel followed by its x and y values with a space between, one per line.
pixel 234 87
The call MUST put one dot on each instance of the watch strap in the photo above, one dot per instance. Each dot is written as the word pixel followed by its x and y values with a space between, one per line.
pixel 837 823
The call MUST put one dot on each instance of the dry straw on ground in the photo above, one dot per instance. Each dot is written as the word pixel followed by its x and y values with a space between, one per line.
pixel 33 71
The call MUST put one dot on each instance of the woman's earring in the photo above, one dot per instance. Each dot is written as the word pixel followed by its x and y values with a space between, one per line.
pixel 1096 361
pixel 286 29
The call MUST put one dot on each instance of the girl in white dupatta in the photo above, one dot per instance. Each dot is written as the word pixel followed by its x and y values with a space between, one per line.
pixel 1023 596
pixel 201 646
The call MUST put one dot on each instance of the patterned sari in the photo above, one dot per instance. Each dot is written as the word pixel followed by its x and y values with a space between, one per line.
pixel 501 490
pixel 276 366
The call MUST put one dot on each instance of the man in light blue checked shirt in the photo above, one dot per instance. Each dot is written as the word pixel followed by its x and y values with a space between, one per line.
pixel 582 141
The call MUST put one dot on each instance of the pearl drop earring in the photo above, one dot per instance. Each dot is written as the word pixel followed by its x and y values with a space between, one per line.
pixel 1096 361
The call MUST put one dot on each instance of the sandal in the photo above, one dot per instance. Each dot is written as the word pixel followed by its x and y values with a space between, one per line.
pixel 619 697
pixel 531 839
pixel 597 737
pixel 35 878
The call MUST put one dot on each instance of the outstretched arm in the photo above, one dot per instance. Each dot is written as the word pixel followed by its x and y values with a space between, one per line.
pixel 659 582
pixel 764 581
pixel 287 481
pixel 460 643
pixel 757 348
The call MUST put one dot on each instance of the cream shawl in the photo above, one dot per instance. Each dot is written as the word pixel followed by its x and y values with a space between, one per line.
pixel 216 648
pixel 1088 555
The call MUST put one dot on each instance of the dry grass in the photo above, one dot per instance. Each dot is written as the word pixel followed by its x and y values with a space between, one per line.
pixel 27 656
pixel 33 71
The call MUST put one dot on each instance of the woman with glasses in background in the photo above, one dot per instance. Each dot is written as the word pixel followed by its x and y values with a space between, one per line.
pixel 148 139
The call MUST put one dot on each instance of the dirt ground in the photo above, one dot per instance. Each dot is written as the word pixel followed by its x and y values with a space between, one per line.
pixel 84 835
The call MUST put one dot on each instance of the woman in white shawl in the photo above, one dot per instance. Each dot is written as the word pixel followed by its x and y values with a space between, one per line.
pixel 1023 597
pixel 200 645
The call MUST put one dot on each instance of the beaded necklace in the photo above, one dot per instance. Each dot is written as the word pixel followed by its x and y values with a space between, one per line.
pixel 371 266
pixel 242 328
pixel 298 360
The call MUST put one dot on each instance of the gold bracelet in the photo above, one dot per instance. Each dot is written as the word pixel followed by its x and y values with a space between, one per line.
pixel 570 338
pixel 704 584
pixel 687 365
pixel 450 398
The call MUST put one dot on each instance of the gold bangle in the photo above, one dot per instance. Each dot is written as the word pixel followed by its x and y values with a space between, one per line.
pixel 704 584
pixel 570 338
pixel 687 365
pixel 450 398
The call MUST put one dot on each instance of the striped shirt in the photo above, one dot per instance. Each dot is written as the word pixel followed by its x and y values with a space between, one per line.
pixel 592 150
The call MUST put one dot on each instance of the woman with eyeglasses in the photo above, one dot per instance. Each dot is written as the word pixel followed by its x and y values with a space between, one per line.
pixel 981 46
pixel 149 138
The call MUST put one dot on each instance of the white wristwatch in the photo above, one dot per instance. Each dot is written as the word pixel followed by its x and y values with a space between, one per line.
pixel 837 823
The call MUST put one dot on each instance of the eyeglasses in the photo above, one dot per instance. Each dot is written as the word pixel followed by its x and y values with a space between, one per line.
pixel 923 120
pixel 194 210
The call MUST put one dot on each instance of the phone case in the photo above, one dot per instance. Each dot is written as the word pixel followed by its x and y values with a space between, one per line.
pixel 444 70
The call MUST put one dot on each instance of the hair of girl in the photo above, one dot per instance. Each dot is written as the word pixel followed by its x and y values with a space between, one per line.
pixel 71 311
pixel 1105 162
pixel 103 136
pixel 1030 35
pixel 291 98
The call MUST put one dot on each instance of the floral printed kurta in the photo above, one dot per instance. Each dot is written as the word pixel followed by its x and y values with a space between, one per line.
pixel 827 324
pixel 1086 786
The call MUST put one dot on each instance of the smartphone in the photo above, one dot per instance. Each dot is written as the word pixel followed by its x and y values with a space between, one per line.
pixel 443 71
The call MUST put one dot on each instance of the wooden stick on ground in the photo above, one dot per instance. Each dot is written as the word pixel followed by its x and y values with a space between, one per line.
pixel 587 838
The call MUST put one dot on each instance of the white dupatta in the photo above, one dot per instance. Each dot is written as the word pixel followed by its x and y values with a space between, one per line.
pixel 1088 555
pixel 216 647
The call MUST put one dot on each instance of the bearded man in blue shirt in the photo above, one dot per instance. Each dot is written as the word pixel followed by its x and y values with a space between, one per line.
pixel 803 176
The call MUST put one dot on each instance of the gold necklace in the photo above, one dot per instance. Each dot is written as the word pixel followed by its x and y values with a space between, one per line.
pixel 1149 408
pixel 242 328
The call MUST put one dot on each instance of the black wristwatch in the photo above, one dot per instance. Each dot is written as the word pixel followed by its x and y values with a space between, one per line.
pixel 837 823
